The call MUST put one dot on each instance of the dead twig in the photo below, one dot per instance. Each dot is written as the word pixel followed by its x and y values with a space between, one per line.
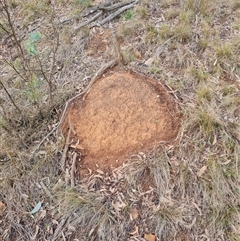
pixel 10 97
pixel 64 155
pixel 73 170
pixel 172 91
pixel 46 189
pixel 59 229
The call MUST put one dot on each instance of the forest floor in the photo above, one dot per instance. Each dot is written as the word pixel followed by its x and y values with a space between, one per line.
pixel 120 120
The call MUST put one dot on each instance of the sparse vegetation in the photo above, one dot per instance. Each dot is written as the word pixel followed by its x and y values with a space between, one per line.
pixel 128 15
pixel 185 190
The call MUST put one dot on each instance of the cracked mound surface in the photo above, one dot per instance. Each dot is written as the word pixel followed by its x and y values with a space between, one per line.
pixel 122 114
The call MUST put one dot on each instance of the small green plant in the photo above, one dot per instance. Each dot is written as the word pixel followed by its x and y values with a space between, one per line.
pixel 198 73
pixel 202 44
pixel 84 3
pixel 128 56
pixel 206 29
pixel 33 9
pixel 228 90
pixel 186 17
pixel 31 44
pixel 203 94
pixel 85 31
pixel 224 51
pixel 208 122
pixel 168 3
pixel 33 92
pixel 127 30
pixel 70 200
pixel 129 14
pixel 229 144
pixel 155 68
pixel 152 33
pixel 202 6
pixel 143 13
pixel 183 33
pixel 172 13
pixel 175 83
pixel 165 31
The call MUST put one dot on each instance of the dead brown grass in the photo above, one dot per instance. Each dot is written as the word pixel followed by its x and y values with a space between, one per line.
pixel 193 187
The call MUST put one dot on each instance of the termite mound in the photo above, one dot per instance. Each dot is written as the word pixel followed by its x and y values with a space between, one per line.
pixel 122 114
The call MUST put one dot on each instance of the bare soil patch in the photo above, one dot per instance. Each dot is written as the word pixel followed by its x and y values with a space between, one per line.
pixel 122 114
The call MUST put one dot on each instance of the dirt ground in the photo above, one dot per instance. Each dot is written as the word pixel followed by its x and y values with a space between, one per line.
pixel 124 113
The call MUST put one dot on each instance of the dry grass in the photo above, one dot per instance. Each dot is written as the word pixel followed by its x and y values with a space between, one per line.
pixel 188 191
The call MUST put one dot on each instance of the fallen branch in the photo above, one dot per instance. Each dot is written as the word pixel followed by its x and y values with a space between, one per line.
pixel 113 15
pixel 89 11
pixel 93 9
pixel 107 7
pixel 102 8
pixel 117 5
pixel 87 22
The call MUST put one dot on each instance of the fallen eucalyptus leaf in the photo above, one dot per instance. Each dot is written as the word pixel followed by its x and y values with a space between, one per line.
pixel 135 232
pixel 134 213
pixel 150 237
pixel 36 208
pixel 201 171
pixel 2 207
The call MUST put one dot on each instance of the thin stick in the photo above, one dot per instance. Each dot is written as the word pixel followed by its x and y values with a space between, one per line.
pixel 46 189
pixel 73 170
pixel 64 155
pixel 10 97
pixel 60 227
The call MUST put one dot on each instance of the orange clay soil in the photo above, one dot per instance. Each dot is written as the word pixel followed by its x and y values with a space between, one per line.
pixel 122 114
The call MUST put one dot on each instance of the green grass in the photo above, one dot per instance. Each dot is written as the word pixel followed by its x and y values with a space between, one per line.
pixel 128 15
